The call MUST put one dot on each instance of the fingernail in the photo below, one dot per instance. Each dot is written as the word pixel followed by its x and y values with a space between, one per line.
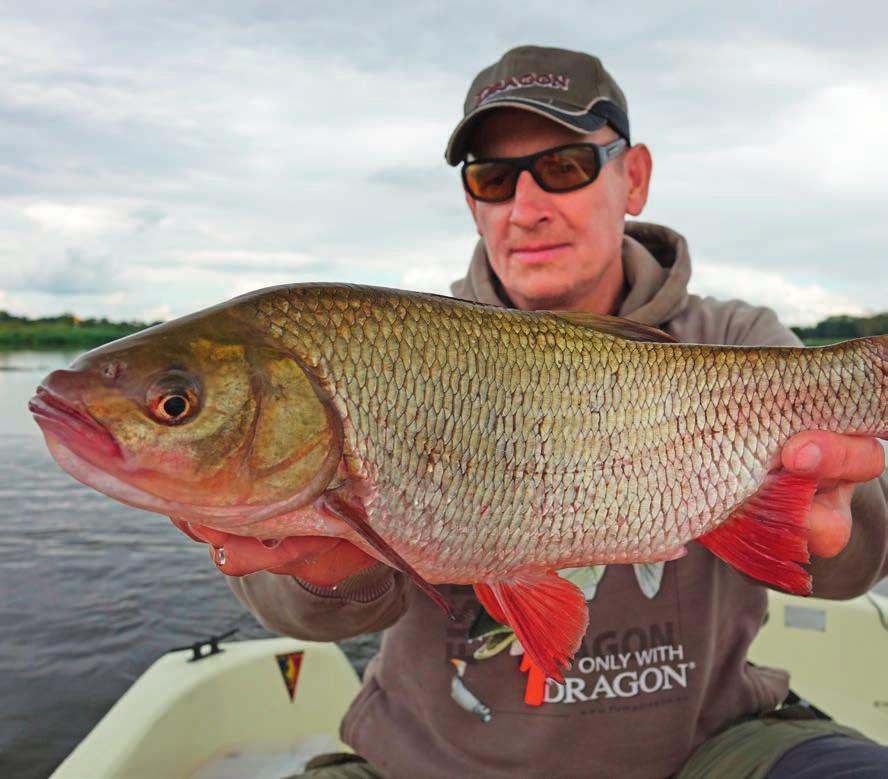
pixel 807 458
pixel 219 555
pixel 271 543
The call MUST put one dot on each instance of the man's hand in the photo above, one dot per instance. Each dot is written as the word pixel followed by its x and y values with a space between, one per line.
pixel 837 463
pixel 319 560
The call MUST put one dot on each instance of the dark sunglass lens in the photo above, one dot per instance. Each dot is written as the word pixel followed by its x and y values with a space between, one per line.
pixel 567 168
pixel 490 180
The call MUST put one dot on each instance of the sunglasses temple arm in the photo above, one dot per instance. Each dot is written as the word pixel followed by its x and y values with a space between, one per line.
pixel 614 148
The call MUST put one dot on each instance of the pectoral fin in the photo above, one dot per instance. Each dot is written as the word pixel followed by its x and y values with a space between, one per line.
pixel 547 613
pixel 355 517
pixel 766 536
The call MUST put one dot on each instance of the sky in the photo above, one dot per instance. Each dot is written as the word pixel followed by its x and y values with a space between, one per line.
pixel 158 157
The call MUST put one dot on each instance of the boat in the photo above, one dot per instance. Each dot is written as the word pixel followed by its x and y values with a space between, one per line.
pixel 836 653
pixel 259 708
pixel 262 708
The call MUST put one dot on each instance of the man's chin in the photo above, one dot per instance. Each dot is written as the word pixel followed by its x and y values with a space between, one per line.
pixel 542 298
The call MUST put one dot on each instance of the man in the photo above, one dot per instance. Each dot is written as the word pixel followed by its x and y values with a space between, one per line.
pixel 660 686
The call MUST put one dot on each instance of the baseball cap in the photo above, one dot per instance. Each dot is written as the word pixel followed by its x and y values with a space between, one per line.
pixel 569 87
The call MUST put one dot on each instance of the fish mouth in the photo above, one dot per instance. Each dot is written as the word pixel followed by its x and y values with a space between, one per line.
pixel 86 450
pixel 72 425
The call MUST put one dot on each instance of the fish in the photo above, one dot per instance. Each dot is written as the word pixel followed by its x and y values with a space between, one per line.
pixel 464 443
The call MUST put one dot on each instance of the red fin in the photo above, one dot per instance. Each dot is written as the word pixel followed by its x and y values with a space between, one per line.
pixel 355 517
pixel 490 603
pixel 766 536
pixel 547 613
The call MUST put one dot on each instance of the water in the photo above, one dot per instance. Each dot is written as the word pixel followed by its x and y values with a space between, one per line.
pixel 91 591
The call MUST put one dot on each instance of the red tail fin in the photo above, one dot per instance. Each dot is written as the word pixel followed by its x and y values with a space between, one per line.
pixel 766 536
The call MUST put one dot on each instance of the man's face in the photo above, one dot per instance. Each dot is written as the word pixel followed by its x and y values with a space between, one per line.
pixel 557 251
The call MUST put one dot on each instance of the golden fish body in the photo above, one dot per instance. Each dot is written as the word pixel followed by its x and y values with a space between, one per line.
pixel 463 443
pixel 493 440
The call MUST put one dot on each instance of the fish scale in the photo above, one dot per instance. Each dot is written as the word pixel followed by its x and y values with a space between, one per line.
pixel 464 443
pixel 486 424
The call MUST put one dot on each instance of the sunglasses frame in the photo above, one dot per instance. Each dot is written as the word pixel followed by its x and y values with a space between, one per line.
pixel 603 154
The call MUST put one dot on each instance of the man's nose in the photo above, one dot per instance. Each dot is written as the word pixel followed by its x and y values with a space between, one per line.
pixel 530 204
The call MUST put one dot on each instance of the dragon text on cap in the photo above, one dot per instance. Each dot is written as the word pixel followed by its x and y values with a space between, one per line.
pixel 549 80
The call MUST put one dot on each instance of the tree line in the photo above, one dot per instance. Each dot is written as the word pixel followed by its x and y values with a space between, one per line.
pixel 65 331
pixel 843 327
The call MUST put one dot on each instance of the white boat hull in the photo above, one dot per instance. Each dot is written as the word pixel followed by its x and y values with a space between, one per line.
pixel 836 653
pixel 227 715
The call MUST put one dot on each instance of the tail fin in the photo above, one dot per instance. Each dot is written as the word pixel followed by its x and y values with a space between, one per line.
pixel 766 537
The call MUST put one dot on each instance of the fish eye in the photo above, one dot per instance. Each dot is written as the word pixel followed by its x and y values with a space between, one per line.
pixel 173 398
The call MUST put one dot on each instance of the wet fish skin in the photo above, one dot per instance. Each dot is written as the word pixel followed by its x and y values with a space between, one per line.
pixel 495 440
pixel 477 444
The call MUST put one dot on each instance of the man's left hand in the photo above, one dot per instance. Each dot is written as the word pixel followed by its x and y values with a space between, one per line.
pixel 837 463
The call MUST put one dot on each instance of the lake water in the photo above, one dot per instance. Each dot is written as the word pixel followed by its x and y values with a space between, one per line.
pixel 91 591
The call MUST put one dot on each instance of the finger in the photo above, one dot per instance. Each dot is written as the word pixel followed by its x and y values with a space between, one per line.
pixel 829 522
pixel 241 555
pixel 185 527
pixel 825 456
pixel 202 533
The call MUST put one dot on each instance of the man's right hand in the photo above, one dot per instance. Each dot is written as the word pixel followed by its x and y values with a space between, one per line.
pixel 318 560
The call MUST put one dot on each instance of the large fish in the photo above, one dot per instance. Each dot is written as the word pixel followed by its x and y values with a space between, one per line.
pixel 463 443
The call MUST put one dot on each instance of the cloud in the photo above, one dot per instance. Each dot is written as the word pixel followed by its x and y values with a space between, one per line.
pixel 78 218
pixel 179 154
pixel 250 261
pixel 797 304
pixel 73 273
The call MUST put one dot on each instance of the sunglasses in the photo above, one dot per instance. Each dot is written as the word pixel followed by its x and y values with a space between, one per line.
pixel 561 169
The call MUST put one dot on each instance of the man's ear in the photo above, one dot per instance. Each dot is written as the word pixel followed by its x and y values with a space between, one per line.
pixel 638 165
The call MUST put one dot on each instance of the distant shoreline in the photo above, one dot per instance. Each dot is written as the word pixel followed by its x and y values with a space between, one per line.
pixel 67 332
pixel 58 334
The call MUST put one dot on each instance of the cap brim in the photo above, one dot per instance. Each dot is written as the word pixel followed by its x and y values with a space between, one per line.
pixel 584 122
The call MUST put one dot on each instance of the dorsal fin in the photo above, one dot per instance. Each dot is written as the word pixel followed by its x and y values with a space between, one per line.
pixel 615 325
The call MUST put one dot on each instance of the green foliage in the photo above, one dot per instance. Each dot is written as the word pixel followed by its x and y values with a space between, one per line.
pixel 64 331
pixel 841 328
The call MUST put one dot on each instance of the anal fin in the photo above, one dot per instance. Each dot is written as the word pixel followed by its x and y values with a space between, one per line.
pixel 766 536
pixel 547 613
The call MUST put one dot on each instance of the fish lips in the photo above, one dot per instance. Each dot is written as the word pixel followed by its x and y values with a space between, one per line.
pixel 72 426
pixel 86 450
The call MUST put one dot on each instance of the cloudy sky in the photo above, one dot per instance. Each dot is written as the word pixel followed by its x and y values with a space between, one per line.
pixel 157 157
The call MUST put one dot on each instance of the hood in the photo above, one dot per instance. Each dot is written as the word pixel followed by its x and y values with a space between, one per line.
pixel 656 263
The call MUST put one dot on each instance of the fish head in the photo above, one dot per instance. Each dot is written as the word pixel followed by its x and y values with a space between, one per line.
pixel 201 419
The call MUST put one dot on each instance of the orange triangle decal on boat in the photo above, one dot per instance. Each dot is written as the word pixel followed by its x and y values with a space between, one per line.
pixel 290 663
